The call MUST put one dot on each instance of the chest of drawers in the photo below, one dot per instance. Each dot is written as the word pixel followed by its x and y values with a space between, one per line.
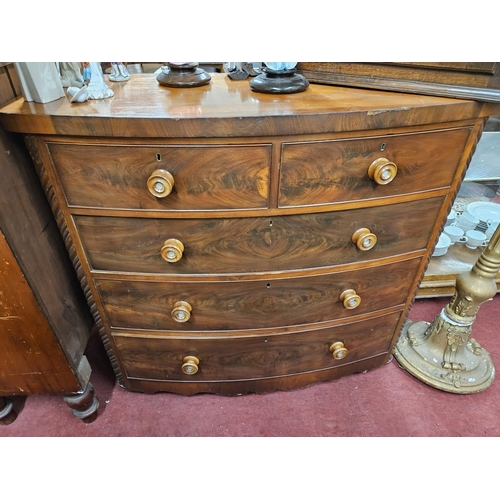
pixel 232 242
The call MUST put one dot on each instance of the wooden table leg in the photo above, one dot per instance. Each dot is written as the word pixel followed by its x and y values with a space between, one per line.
pixel 84 406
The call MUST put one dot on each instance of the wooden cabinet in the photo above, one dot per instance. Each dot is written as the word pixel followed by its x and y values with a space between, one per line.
pixel 479 81
pixel 230 241
pixel 44 319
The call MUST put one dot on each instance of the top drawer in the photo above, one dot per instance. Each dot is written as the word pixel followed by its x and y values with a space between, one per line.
pixel 203 177
pixel 316 173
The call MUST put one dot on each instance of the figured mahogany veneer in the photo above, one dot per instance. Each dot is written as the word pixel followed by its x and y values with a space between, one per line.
pixel 268 303
pixel 206 177
pixel 230 241
pixel 255 244
pixel 333 171
pixel 241 357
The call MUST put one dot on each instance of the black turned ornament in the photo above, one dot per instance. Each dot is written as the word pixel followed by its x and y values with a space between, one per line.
pixel 279 81
pixel 186 74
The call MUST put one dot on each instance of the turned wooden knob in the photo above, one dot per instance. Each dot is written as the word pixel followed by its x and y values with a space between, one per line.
pixel 382 171
pixel 350 299
pixel 181 311
pixel 190 366
pixel 172 250
pixel 160 183
pixel 338 350
pixel 364 239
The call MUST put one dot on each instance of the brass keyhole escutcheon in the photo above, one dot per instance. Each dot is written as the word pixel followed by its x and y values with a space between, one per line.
pixel 382 171
pixel 338 350
pixel 160 183
pixel 190 365
pixel 364 239
pixel 172 250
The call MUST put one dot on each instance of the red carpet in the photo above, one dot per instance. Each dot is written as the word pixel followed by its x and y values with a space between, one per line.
pixel 386 402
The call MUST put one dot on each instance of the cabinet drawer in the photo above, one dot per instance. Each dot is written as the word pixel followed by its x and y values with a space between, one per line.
pixel 260 244
pixel 240 358
pixel 315 173
pixel 234 305
pixel 205 177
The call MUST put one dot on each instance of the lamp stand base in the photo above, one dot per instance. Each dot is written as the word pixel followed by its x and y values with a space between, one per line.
pixel 442 355
pixel 279 82
pixel 188 75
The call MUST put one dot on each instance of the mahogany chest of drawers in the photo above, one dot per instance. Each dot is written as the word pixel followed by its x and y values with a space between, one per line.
pixel 231 242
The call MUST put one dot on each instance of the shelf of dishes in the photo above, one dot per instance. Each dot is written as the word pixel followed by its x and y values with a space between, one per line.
pixel 473 227
pixel 471 222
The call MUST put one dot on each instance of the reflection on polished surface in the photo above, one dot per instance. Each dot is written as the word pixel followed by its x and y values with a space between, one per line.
pixel 228 107
pixel 156 100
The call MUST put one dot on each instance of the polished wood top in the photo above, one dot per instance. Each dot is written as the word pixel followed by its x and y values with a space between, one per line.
pixel 226 108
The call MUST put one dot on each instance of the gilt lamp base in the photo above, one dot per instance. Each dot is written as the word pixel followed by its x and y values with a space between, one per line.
pixel 441 355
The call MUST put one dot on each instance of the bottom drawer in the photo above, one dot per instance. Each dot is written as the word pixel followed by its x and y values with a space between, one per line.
pixel 233 358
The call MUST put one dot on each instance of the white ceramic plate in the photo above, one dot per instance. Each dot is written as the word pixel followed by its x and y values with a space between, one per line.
pixel 484 211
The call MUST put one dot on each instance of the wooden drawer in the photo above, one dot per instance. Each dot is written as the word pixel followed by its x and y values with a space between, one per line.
pixel 316 173
pixel 250 357
pixel 205 177
pixel 233 305
pixel 258 244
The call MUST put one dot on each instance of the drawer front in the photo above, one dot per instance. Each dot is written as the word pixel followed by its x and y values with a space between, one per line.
pixel 254 244
pixel 240 358
pixel 204 177
pixel 316 173
pixel 234 305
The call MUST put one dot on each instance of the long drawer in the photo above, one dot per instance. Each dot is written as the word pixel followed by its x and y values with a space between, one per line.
pixel 241 358
pixel 315 173
pixel 202 177
pixel 257 244
pixel 234 305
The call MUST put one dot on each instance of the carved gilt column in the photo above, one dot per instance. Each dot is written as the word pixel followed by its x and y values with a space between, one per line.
pixel 442 354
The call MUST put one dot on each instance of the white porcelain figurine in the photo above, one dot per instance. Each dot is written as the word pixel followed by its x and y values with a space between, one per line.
pixel 97 88
pixel 40 81
pixel 280 66
pixel 71 75
pixel 119 72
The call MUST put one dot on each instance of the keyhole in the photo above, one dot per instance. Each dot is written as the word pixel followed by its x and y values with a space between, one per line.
pixel 158 156
pixel 268 285
pixel 270 223
pixel 382 146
